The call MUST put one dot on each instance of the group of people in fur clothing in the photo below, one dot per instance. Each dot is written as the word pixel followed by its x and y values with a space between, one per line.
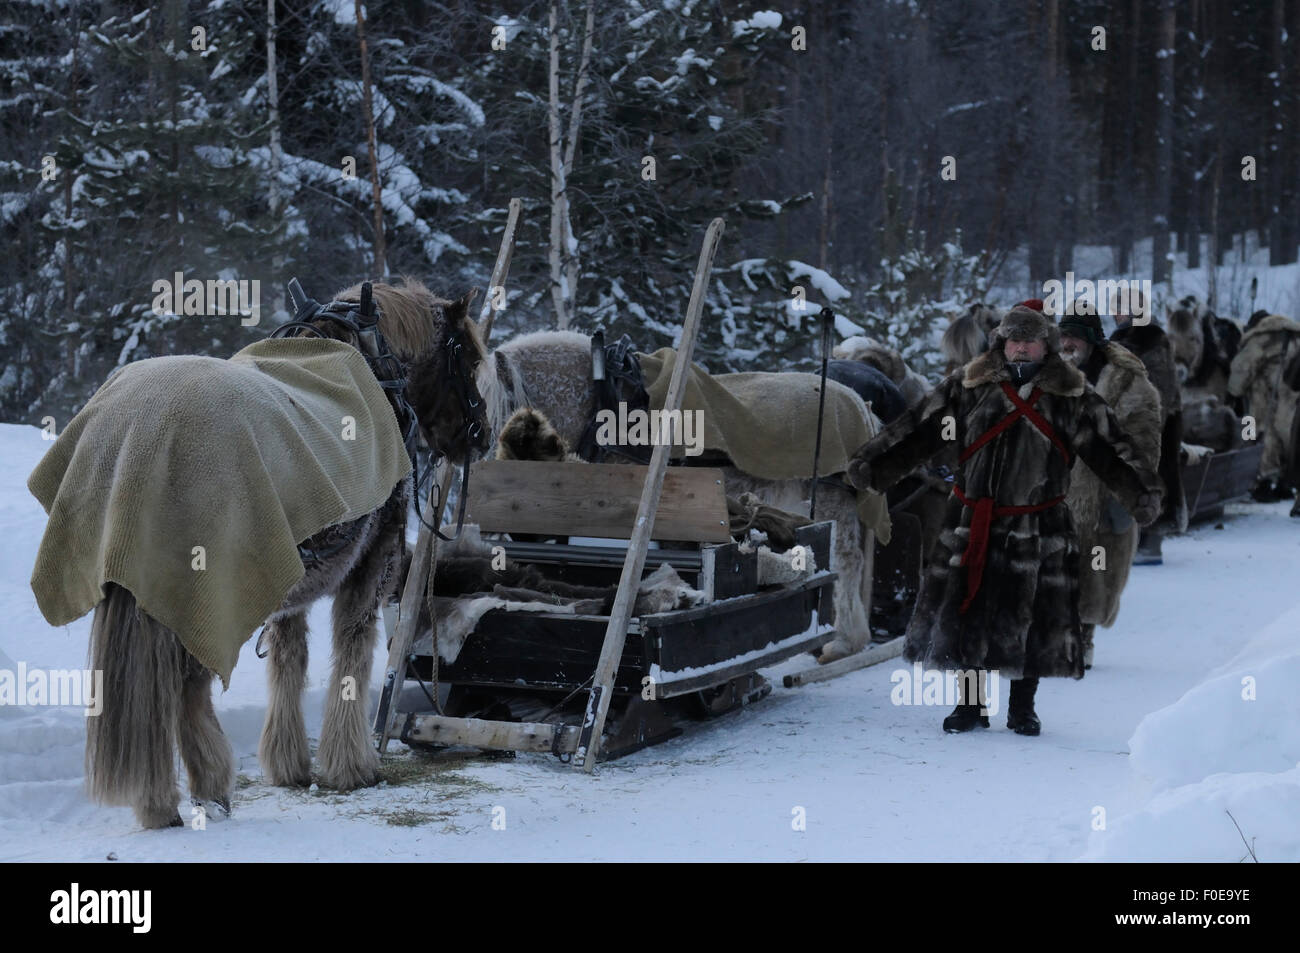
pixel 1060 437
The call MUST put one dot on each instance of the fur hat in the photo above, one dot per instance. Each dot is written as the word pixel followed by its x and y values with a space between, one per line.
pixel 1082 323
pixel 1027 322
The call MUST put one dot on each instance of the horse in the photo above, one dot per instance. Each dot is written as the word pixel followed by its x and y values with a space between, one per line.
pixel 157 695
pixel 550 371
pixel 1204 346
pixel 967 335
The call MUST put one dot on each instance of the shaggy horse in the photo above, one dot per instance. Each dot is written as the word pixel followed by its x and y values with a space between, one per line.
pixel 967 335
pixel 156 693
pixel 1204 346
pixel 551 372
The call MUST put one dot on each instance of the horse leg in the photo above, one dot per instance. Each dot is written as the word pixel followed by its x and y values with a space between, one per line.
pixel 855 562
pixel 348 760
pixel 209 760
pixel 283 751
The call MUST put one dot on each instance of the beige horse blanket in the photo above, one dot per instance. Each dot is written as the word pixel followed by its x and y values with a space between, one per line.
pixel 766 423
pixel 190 481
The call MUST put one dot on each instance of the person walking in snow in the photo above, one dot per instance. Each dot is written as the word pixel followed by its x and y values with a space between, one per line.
pixel 1001 591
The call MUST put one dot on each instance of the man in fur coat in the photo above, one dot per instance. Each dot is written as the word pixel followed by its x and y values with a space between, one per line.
pixel 1257 375
pixel 1001 591
pixel 1149 343
pixel 1100 519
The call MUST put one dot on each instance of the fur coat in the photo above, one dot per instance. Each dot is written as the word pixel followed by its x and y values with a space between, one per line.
pixel 1024 619
pixel 1257 377
pixel 1152 347
pixel 1098 516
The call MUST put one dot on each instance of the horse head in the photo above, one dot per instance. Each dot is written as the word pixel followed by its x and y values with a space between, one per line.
pixel 438 344
pixel 1187 336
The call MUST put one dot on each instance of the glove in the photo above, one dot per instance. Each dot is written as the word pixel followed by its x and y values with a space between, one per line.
pixel 860 473
pixel 1147 509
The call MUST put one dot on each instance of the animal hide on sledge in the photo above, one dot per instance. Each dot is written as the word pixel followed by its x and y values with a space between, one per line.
pixel 661 591
pixel 245 457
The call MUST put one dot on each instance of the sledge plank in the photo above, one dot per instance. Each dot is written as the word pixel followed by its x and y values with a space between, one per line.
pixel 872 655
pixel 497 735
pixel 595 499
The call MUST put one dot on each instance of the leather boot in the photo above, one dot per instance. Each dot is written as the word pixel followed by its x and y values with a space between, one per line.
pixel 1020 707
pixel 966 717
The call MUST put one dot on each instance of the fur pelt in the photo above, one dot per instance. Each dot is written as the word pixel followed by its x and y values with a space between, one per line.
pixel 1123 384
pixel 1024 621
pixel 1152 347
pixel 1257 378
pixel 529 435
pixel 888 361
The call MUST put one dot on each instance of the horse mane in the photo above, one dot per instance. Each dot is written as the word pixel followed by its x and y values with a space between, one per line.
pixel 965 338
pixel 406 318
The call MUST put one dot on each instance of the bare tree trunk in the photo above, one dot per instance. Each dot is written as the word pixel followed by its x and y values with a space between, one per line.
pixel 1160 266
pixel 1212 249
pixel 559 293
pixel 368 113
pixel 277 156
pixel 570 150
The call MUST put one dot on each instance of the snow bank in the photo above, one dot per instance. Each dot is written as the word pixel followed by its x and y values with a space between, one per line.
pixel 1225 754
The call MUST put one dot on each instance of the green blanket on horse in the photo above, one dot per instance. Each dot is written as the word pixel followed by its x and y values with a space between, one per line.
pixel 190 481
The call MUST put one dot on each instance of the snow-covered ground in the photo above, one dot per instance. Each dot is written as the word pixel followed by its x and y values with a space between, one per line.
pixel 1191 712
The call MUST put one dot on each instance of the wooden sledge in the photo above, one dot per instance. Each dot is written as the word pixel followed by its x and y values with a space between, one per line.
pixel 518 680
pixel 1219 478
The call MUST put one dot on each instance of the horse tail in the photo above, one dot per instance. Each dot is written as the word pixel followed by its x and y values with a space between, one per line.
pixel 129 750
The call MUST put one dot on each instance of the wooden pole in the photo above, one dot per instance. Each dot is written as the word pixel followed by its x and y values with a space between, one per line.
pixel 499 271
pixel 423 561
pixel 602 686
pixel 872 655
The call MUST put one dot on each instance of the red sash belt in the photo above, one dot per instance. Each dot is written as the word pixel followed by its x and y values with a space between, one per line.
pixel 985 507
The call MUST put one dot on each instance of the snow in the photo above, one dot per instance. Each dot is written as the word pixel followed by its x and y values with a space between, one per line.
pixel 819 279
pixel 762 20
pixel 1158 735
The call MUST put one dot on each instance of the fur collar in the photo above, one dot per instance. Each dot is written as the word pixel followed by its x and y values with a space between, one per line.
pixel 1056 376
pixel 1270 324
pixel 1121 358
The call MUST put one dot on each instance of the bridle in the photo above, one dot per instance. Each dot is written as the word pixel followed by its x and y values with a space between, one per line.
pixel 361 318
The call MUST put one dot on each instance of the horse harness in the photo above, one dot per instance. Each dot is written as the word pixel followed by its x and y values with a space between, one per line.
pixel 985 507
pixel 362 319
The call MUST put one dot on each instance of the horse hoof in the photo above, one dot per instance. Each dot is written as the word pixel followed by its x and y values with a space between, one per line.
pixel 350 779
pixel 834 651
